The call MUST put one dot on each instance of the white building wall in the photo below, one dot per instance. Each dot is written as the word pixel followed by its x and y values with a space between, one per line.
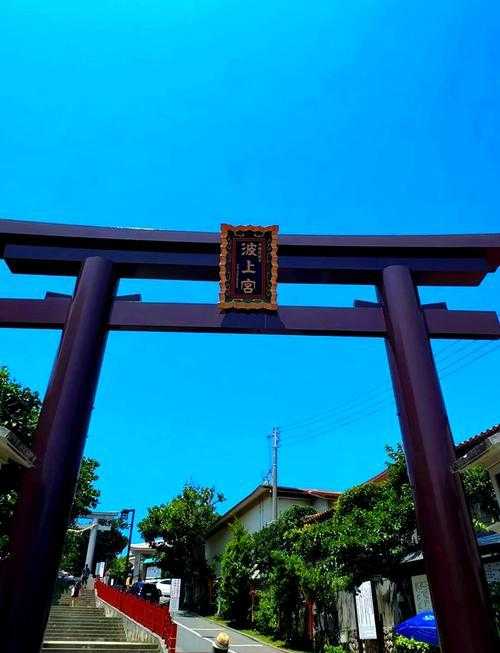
pixel 321 505
pixel 253 519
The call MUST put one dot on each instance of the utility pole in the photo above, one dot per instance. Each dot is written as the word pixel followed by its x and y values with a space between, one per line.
pixel 274 473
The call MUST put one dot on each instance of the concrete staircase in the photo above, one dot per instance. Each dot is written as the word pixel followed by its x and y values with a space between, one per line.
pixel 85 628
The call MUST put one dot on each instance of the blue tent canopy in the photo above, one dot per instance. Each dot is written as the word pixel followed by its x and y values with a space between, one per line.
pixel 421 627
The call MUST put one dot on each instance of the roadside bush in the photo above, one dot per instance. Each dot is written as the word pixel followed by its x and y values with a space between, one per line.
pixel 329 648
pixel 265 617
pixel 236 567
pixel 405 645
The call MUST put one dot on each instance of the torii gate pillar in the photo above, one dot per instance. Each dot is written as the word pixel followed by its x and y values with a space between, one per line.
pixel 47 491
pixel 451 556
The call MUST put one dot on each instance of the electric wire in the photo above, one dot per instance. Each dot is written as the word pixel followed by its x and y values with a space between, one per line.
pixel 359 408
pixel 368 395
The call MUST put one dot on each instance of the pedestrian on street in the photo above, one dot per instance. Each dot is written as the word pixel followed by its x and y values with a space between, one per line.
pixel 85 575
pixel 137 587
pixel 221 643
pixel 75 592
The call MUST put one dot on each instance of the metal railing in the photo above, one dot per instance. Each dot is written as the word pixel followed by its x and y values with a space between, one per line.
pixel 154 617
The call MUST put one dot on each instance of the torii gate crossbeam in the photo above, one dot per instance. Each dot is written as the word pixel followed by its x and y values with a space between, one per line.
pixel 396 265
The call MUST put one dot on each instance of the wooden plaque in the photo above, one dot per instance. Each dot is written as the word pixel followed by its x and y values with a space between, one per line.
pixel 248 268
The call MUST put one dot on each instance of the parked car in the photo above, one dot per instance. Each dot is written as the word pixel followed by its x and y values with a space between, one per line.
pixel 150 592
pixel 164 586
pixel 65 578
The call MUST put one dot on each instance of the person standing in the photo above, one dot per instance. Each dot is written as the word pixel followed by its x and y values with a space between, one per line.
pixel 85 575
pixel 75 592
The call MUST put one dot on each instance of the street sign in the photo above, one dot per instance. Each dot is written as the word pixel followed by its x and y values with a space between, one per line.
pixel 153 573
pixel 175 594
pixel 248 268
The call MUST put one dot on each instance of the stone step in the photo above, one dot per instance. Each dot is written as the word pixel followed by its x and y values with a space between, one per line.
pixel 83 620
pixel 96 647
pixel 96 626
pixel 70 623
pixel 72 637
pixel 81 624
pixel 121 647
pixel 56 609
pixel 88 625
pixel 85 628
pixel 114 636
pixel 79 634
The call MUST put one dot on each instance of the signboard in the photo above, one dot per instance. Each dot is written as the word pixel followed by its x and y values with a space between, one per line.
pixel 421 593
pixel 104 524
pixel 99 569
pixel 492 572
pixel 153 573
pixel 366 614
pixel 175 594
pixel 248 268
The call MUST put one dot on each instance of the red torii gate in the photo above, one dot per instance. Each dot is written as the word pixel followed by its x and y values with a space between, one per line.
pixel 396 265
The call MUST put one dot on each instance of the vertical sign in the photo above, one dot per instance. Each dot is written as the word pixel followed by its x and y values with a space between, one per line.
pixel 366 614
pixel 99 569
pixel 421 593
pixel 248 268
pixel 175 594
pixel 153 573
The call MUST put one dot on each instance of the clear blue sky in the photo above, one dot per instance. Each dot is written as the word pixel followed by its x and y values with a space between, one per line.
pixel 323 117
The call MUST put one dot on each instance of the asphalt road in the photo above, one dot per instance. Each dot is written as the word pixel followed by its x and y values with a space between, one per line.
pixel 195 635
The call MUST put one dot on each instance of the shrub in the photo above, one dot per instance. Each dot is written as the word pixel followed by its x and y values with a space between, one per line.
pixel 265 616
pixel 236 567
pixel 405 645
pixel 329 648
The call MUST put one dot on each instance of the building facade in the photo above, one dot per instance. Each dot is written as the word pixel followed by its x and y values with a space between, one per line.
pixel 255 512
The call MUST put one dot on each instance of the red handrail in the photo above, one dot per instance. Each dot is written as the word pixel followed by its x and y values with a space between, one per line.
pixel 154 617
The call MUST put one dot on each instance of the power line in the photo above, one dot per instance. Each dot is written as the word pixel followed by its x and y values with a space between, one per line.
pixel 374 405
pixel 370 394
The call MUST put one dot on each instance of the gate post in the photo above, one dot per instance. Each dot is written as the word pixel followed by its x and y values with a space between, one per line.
pixel 47 490
pixel 456 578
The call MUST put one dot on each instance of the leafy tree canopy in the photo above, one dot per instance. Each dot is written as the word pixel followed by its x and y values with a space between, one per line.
pixel 181 526
pixel 368 534
pixel 236 572
pixel 19 410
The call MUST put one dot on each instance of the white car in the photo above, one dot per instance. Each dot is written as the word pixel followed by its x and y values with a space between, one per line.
pixel 164 586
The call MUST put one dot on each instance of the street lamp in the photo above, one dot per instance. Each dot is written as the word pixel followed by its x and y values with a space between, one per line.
pixel 124 515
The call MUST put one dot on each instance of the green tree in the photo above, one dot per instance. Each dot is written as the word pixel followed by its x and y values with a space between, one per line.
pixel 87 494
pixel 119 569
pixel 374 525
pixel 370 532
pixel 181 525
pixel 236 567
pixel 481 496
pixel 19 411
pixel 278 536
